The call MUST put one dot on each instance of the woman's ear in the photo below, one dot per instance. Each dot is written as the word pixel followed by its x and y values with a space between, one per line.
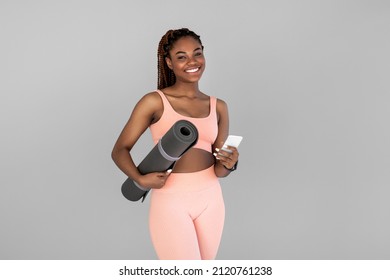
pixel 169 62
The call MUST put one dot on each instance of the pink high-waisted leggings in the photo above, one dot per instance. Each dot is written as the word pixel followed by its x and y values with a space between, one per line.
pixel 187 215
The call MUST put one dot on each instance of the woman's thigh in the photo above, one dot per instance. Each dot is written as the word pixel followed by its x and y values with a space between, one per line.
pixel 172 229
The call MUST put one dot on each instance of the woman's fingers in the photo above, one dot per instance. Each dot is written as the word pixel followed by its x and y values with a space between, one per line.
pixel 164 176
pixel 155 180
pixel 232 154
pixel 227 158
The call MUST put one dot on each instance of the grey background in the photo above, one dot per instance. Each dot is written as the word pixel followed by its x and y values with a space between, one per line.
pixel 307 83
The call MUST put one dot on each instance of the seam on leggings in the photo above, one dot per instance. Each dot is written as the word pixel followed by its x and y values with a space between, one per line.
pixel 194 219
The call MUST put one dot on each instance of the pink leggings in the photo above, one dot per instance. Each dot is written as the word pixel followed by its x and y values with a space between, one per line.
pixel 187 215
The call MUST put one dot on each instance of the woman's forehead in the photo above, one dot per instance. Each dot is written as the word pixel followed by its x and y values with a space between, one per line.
pixel 186 43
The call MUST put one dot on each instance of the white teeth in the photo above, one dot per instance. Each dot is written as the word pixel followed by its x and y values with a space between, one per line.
pixel 192 70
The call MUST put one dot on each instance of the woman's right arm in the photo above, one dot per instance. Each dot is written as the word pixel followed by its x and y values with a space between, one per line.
pixel 143 115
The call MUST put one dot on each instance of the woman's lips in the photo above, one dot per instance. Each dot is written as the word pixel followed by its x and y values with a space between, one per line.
pixel 192 70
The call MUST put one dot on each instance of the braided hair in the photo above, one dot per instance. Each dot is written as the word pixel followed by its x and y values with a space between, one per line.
pixel 166 77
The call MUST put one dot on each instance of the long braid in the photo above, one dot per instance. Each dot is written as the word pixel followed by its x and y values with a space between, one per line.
pixel 166 77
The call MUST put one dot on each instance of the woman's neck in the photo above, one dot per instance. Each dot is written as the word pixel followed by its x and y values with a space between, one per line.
pixel 190 90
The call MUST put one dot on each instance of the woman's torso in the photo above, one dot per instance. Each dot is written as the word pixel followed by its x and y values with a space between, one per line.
pixel 202 113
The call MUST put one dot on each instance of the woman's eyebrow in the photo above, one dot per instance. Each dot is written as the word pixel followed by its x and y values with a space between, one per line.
pixel 183 52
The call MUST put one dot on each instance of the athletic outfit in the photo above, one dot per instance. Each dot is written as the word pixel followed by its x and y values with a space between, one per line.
pixel 187 214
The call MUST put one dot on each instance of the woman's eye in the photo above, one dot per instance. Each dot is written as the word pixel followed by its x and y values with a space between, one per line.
pixel 198 54
pixel 181 57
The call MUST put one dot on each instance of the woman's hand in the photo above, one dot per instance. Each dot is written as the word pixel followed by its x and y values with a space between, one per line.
pixel 154 180
pixel 225 158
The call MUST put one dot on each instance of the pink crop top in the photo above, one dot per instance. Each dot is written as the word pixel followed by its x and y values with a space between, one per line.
pixel 207 126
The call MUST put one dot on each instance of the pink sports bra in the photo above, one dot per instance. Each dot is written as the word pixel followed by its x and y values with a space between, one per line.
pixel 207 126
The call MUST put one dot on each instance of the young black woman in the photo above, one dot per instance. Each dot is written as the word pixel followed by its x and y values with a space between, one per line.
pixel 187 210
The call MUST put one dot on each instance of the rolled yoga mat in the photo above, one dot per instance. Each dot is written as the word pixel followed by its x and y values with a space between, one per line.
pixel 178 139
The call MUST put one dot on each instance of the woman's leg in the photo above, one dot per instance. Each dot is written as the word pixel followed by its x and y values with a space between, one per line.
pixel 209 224
pixel 187 215
pixel 172 229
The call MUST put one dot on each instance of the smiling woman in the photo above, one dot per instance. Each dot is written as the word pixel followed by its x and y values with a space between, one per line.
pixel 187 210
pixel 186 59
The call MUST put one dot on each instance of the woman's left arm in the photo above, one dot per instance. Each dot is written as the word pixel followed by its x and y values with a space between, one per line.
pixel 225 162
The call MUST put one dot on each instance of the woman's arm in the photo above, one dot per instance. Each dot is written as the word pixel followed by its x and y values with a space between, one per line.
pixel 143 115
pixel 224 160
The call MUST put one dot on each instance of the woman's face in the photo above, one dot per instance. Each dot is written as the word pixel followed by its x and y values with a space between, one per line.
pixel 187 60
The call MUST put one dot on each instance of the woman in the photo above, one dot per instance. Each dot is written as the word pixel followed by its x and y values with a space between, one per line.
pixel 186 209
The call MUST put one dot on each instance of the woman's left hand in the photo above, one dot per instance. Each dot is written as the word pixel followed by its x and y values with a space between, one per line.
pixel 225 158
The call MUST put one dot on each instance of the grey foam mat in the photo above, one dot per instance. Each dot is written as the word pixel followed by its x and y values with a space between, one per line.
pixel 175 142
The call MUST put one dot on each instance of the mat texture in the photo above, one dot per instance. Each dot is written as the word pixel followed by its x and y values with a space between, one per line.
pixel 178 139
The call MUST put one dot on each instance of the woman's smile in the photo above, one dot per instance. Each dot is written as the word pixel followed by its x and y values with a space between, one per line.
pixel 192 70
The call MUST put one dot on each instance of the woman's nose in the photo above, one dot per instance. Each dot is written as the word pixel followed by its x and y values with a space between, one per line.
pixel 191 60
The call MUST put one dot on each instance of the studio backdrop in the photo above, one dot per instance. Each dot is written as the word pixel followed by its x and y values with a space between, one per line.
pixel 307 85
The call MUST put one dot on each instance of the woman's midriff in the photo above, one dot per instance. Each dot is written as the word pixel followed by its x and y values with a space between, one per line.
pixel 194 160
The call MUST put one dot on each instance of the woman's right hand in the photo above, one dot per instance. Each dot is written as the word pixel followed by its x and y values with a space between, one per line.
pixel 154 180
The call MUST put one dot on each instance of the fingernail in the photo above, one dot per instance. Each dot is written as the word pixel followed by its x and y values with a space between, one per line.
pixel 169 170
pixel 217 149
pixel 225 146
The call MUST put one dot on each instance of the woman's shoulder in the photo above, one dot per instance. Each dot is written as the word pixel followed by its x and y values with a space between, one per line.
pixel 150 101
pixel 151 98
pixel 221 109
pixel 221 104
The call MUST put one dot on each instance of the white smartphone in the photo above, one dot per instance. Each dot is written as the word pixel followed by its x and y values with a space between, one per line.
pixel 232 140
